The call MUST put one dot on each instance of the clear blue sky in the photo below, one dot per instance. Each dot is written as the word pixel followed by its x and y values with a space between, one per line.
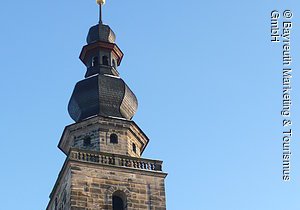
pixel 209 85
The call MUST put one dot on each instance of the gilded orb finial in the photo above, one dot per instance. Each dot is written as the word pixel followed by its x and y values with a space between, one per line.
pixel 100 2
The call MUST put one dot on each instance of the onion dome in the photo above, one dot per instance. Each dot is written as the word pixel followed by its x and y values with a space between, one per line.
pixel 101 32
pixel 102 92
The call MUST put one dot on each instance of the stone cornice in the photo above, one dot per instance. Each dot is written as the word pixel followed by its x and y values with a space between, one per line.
pixel 64 143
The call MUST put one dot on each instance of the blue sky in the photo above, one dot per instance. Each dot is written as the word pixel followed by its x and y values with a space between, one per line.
pixel 209 85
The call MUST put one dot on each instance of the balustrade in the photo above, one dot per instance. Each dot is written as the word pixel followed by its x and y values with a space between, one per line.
pixel 117 160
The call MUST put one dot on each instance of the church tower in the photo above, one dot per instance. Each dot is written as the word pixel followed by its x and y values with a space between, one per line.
pixel 104 168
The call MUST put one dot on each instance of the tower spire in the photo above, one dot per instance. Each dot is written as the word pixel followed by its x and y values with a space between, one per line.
pixel 101 3
pixel 104 168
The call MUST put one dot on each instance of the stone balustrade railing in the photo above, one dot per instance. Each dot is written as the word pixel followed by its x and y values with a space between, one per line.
pixel 116 160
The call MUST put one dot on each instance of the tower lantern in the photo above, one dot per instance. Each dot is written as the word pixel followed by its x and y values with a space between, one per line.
pixel 104 168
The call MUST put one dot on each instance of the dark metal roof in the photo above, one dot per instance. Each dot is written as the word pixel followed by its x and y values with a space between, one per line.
pixel 102 92
pixel 101 32
pixel 102 95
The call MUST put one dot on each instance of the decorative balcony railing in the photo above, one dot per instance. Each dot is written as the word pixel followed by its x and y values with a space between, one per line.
pixel 116 160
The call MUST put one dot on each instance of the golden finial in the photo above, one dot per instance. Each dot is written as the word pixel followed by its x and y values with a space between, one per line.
pixel 100 2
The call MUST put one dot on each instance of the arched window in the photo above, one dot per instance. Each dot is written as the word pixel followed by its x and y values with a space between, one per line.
pixel 134 147
pixel 95 61
pixel 113 138
pixel 87 141
pixel 119 201
pixel 105 60
pixel 114 64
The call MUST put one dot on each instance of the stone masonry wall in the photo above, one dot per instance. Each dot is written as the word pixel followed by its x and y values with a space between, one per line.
pixel 60 199
pixel 99 134
pixel 93 186
pixel 92 135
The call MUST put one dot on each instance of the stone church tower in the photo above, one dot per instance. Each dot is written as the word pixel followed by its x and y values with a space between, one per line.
pixel 104 168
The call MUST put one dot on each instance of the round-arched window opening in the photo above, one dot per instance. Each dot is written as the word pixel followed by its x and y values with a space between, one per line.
pixel 87 141
pixel 113 138
pixel 105 60
pixel 95 61
pixel 134 147
pixel 119 201
pixel 114 64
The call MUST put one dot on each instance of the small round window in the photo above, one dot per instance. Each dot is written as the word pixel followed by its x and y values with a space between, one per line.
pixel 113 138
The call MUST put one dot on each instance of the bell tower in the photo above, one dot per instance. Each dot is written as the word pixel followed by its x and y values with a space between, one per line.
pixel 103 167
